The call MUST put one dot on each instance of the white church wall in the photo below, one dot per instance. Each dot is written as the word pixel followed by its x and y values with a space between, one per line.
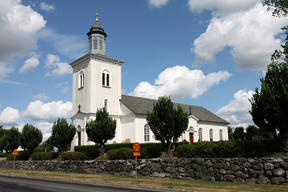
pixel 128 128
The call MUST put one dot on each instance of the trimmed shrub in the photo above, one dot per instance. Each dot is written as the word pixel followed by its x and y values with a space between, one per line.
pixel 73 156
pixel 82 148
pixel 153 152
pixel 221 149
pixel 92 154
pixel 42 156
pixel 123 153
pixel 20 157
pixel 3 154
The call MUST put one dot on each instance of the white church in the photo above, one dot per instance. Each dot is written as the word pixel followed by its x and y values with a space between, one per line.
pixel 97 84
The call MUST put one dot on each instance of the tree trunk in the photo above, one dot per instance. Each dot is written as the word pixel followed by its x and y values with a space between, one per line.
pixel 170 149
pixel 101 149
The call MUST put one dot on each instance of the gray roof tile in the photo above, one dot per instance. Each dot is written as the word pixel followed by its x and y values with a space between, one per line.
pixel 140 105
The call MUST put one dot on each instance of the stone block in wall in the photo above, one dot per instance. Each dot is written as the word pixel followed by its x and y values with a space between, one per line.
pixel 219 177
pixel 278 160
pixel 208 164
pixel 239 174
pixel 247 165
pixel 277 180
pixel 218 165
pixel 222 171
pixel 199 161
pixel 145 171
pixel 268 174
pixel 279 172
pixel 229 178
pixel 235 167
pixel 257 166
pixel 262 180
pixel 268 166
pixel 284 165
pixel 252 173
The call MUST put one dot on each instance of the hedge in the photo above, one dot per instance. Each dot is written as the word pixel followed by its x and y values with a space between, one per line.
pixel 109 147
pixel 22 156
pixel 221 149
pixel 44 156
pixel 42 150
pixel 272 145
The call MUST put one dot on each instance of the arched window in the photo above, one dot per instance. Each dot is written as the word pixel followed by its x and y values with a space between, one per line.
pixel 221 134
pixel 211 134
pixel 146 133
pixel 200 135
pixel 106 104
pixel 106 78
pixel 191 129
pixel 81 80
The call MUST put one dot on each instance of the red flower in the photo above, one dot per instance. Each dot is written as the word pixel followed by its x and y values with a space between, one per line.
pixel 174 154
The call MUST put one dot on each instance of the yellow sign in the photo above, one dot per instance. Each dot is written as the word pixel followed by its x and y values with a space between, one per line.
pixel 136 154
pixel 15 152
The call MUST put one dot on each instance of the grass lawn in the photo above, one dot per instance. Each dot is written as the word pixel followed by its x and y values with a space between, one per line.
pixel 150 182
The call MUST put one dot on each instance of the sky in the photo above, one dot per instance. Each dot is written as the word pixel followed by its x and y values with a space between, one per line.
pixel 209 53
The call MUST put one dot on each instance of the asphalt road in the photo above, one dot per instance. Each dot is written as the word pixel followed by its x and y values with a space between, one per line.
pixel 25 184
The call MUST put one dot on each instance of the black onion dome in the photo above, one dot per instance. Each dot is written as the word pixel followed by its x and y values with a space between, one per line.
pixel 97 29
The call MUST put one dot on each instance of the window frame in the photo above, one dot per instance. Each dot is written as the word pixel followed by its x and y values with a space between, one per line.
pixel 146 133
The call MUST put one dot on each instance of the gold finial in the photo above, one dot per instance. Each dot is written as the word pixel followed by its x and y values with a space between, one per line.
pixel 97 17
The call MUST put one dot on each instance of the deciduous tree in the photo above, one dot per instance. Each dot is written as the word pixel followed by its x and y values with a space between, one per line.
pixel 62 134
pixel 251 131
pixel 30 138
pixel 167 123
pixel 10 141
pixel 238 133
pixel 102 129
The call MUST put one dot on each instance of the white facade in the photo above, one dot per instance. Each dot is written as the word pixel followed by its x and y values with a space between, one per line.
pixel 97 84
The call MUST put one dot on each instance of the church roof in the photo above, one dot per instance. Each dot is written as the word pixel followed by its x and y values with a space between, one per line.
pixel 140 106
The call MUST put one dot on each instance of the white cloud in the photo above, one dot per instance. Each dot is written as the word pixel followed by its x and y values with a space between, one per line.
pixel 41 96
pixel 179 82
pixel 59 68
pixel 70 45
pixel 49 112
pixel 30 63
pixel 225 6
pixel 157 3
pixel 19 25
pixel 237 111
pixel 9 116
pixel 46 7
pixel 46 129
pixel 250 34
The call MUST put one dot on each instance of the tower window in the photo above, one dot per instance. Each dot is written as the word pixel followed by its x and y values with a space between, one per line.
pixel 211 134
pixel 221 134
pixel 106 104
pixel 106 78
pixel 81 80
pixel 101 44
pixel 200 135
pixel 146 133
pixel 95 43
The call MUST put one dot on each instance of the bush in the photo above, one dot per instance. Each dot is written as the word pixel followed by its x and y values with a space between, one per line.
pixel 82 148
pixel 20 157
pixel 272 145
pixel 123 153
pixel 153 152
pixel 221 149
pixel 43 156
pixel 92 154
pixel 3 154
pixel 73 156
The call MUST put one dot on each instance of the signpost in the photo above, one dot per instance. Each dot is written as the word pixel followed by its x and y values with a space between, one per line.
pixel 136 148
pixel 14 153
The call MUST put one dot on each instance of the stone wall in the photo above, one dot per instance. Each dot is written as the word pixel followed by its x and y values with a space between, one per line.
pixel 240 170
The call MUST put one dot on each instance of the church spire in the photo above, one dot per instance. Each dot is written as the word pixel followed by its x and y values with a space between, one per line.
pixel 96 17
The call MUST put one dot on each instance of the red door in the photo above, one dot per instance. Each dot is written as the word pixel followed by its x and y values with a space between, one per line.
pixel 191 141
pixel 79 138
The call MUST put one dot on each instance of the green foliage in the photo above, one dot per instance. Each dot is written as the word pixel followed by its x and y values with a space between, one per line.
pixel 20 157
pixel 81 148
pixel 42 150
pixel 270 106
pixel 10 141
pixel 92 154
pixel 272 145
pixel 73 156
pixel 167 123
pixel 3 154
pixel 251 131
pixel 62 134
pixel 230 133
pixel 3 131
pixel 30 138
pixel 123 153
pixel 43 156
pixel 221 149
pixel 239 133
pixel 150 152
pixel 101 129
pixel 279 7
pixel 47 144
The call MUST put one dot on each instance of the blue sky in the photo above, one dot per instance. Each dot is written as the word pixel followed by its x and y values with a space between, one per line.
pixel 200 52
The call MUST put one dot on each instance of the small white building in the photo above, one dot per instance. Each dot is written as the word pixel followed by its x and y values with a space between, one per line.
pixel 97 84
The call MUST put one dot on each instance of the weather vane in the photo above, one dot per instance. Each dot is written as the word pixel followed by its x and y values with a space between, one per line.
pixel 97 17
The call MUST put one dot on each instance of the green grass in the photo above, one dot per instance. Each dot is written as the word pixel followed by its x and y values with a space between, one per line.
pixel 151 182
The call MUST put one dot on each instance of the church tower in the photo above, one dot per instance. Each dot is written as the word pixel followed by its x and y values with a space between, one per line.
pixel 96 84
